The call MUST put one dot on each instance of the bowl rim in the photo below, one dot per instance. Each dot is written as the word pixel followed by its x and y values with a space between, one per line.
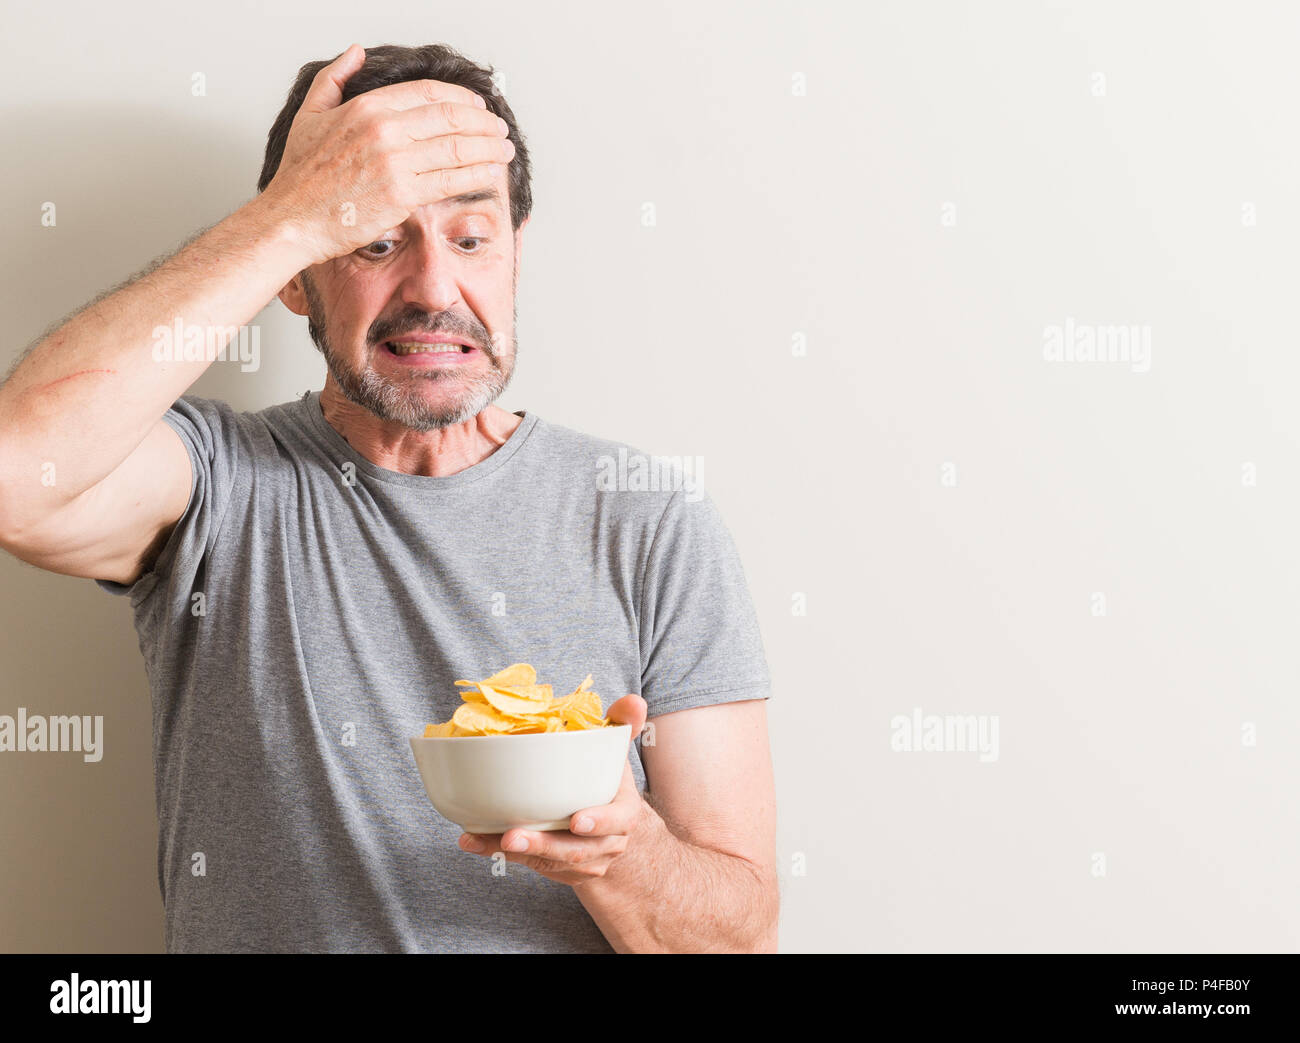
pixel 525 735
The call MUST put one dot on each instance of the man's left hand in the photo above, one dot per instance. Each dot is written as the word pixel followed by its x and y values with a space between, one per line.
pixel 596 836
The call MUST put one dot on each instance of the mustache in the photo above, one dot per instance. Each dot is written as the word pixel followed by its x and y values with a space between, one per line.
pixel 394 329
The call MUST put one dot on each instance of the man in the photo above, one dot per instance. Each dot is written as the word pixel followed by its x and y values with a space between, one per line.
pixel 308 581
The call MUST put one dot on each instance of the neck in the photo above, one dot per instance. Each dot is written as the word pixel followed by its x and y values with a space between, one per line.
pixel 433 454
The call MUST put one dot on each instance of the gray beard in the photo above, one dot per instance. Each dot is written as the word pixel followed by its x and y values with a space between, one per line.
pixel 405 405
pixel 402 403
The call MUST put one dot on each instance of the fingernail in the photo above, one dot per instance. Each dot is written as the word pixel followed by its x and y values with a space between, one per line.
pixel 518 844
pixel 472 843
pixel 584 825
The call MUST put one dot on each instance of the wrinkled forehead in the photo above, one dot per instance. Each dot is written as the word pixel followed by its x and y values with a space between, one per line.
pixel 484 200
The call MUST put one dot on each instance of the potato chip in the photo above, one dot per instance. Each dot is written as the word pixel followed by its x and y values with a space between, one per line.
pixel 512 705
pixel 536 692
pixel 536 723
pixel 577 721
pixel 473 695
pixel 511 702
pixel 520 673
pixel 480 719
pixel 587 702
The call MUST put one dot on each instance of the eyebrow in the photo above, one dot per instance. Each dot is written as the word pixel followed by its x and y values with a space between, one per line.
pixel 482 195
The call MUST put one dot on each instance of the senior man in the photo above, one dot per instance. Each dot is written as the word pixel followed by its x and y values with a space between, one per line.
pixel 309 580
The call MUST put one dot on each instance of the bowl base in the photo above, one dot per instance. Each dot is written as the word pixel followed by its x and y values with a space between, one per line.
pixel 540 827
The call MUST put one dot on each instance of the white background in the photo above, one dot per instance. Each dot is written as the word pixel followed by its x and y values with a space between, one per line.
pixel 1099 158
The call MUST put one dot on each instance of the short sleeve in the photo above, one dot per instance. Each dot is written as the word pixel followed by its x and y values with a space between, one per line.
pixel 700 642
pixel 208 427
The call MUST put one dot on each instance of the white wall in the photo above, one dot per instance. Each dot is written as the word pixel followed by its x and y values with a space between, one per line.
pixel 822 213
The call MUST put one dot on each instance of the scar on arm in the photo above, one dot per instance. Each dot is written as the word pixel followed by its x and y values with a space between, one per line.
pixel 55 383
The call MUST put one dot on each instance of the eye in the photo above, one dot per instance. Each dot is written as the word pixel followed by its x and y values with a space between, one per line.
pixel 378 242
pixel 471 239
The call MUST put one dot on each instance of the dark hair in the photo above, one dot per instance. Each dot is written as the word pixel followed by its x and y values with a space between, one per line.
pixel 393 64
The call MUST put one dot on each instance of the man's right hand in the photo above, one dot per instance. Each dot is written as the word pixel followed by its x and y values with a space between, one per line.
pixel 354 170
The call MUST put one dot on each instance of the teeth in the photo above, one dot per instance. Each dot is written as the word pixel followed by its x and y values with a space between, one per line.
pixel 415 347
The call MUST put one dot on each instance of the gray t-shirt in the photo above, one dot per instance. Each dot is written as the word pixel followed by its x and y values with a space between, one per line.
pixel 311 611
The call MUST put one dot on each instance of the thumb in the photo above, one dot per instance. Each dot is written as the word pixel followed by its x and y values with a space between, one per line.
pixel 327 88
pixel 631 710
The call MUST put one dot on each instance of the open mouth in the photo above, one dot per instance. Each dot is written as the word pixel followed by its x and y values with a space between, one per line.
pixel 404 348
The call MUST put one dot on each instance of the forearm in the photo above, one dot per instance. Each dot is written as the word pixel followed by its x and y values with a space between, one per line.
pixel 85 395
pixel 664 894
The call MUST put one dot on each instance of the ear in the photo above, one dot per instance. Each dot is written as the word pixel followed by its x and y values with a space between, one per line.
pixel 293 296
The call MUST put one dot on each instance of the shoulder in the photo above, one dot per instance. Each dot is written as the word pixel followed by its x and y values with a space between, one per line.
pixel 217 413
pixel 575 444
pixel 612 466
pixel 218 429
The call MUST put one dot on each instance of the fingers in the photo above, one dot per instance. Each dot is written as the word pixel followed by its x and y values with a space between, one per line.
pixel 568 850
pixel 326 90
pixel 438 119
pixel 552 844
pixel 451 148
pixel 593 826
pixel 618 816
pixel 563 856
pixel 433 186
pixel 631 710
pixel 558 847
pixel 453 151
pixel 412 93
pixel 447 135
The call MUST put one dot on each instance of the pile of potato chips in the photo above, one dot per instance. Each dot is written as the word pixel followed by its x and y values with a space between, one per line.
pixel 513 703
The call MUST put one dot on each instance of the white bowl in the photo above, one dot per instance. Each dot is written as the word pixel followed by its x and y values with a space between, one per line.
pixel 491 783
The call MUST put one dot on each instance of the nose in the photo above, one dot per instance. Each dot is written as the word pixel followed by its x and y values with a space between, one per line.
pixel 428 297
pixel 428 277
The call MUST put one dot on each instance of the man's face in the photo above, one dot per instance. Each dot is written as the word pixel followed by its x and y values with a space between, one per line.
pixel 449 271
